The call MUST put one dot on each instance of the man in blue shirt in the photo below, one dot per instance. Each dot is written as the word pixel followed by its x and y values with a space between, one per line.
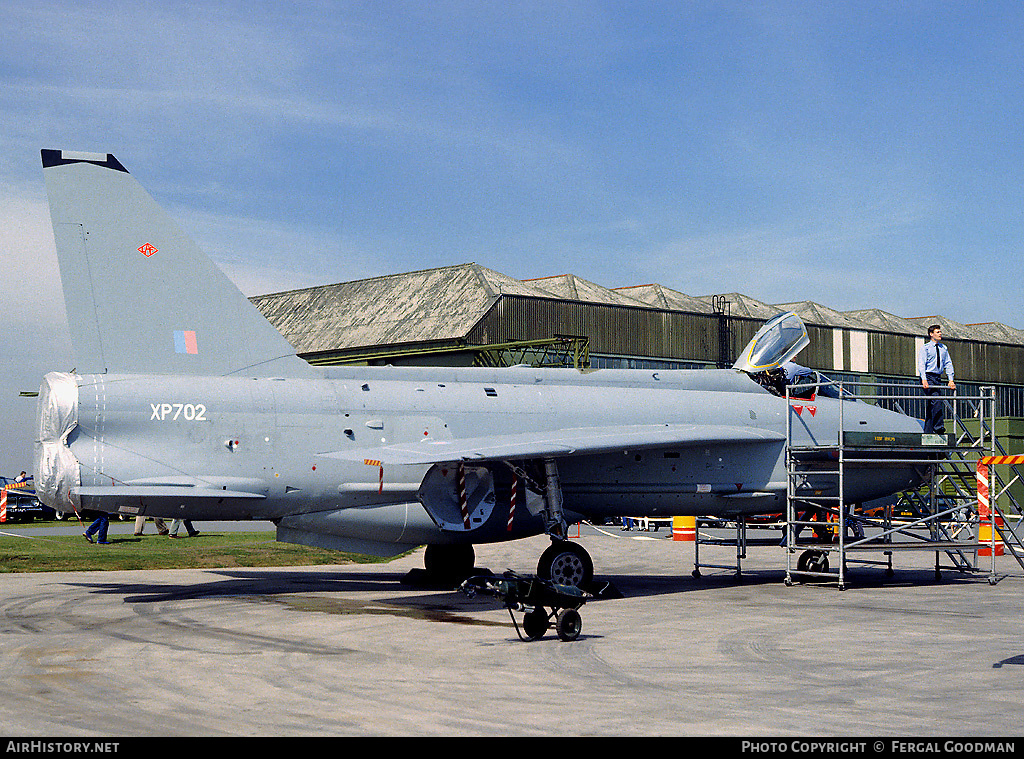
pixel 932 360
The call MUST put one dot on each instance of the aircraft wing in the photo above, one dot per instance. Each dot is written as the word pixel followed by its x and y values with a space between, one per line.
pixel 556 443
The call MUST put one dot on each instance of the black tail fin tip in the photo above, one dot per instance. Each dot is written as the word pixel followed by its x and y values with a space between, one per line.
pixel 64 157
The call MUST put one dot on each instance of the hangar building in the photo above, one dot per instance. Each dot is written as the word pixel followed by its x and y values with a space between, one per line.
pixel 468 314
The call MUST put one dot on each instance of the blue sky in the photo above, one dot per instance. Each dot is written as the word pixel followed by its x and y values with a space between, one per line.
pixel 858 154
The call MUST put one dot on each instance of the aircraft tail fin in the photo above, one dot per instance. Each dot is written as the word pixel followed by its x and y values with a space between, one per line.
pixel 140 295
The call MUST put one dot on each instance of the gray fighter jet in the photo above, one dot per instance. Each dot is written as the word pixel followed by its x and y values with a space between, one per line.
pixel 186 402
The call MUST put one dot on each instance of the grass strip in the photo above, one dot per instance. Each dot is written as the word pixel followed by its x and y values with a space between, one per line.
pixel 28 553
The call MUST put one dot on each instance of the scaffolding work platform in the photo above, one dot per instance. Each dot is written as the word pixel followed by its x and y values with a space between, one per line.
pixel 739 526
pixel 944 515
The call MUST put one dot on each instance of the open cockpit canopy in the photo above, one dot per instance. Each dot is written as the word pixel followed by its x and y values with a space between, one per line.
pixel 778 341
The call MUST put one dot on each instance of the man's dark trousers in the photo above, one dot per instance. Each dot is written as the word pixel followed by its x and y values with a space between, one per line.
pixel 935 418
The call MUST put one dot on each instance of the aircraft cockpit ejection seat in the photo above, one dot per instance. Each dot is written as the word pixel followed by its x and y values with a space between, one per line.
pixel 810 383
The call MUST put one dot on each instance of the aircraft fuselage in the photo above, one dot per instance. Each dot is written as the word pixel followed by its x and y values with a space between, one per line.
pixel 264 443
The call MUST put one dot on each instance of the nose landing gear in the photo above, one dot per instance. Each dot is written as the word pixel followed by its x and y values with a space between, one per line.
pixel 566 563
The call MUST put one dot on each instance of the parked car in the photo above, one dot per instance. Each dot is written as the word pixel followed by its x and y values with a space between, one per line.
pixel 24 507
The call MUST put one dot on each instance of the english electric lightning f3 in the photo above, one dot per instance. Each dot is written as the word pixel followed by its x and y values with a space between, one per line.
pixel 185 402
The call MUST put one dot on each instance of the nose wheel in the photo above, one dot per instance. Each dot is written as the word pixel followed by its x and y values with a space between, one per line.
pixel 566 563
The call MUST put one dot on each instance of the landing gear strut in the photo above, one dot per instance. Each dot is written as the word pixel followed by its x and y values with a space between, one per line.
pixel 554 519
pixel 564 563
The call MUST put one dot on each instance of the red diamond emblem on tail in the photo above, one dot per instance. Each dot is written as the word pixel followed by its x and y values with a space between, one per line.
pixel 147 250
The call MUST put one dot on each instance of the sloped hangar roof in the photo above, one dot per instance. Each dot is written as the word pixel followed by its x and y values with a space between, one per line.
pixel 883 320
pixel 660 296
pixel 419 306
pixel 1000 332
pixel 815 313
pixel 444 304
pixel 950 328
pixel 571 287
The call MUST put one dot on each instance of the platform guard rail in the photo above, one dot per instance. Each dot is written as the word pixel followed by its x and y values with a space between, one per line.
pixel 942 516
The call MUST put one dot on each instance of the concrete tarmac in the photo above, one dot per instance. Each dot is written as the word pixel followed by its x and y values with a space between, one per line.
pixel 354 651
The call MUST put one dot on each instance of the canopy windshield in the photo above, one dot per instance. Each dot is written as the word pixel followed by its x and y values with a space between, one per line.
pixel 778 341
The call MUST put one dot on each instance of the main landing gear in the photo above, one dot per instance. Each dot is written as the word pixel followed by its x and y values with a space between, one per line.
pixel 562 563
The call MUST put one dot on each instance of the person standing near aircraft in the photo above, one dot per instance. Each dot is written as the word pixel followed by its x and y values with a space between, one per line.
pixel 99 526
pixel 932 360
pixel 188 528
pixel 140 525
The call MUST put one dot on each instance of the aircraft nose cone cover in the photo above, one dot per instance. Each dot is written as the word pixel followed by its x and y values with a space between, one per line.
pixel 778 341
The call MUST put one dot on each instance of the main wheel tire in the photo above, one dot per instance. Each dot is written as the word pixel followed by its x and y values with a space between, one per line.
pixel 568 624
pixel 449 563
pixel 565 563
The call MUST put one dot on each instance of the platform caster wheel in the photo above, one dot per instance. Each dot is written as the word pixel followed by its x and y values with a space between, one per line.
pixel 568 624
pixel 695 574
pixel 812 561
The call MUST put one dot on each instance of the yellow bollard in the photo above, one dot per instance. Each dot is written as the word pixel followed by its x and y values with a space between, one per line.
pixel 985 536
pixel 684 529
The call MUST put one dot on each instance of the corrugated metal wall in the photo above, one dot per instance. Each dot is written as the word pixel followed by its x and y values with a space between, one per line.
pixel 650 332
pixel 620 330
